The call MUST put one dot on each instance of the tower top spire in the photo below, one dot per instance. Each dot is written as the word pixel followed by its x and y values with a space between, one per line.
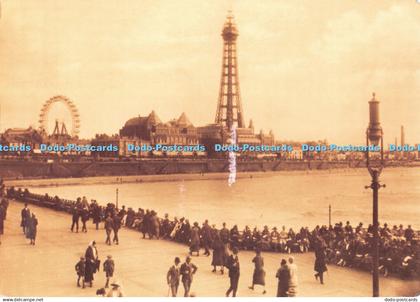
pixel 230 32
pixel 374 99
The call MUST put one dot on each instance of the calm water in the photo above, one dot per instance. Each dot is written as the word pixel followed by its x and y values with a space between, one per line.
pixel 293 199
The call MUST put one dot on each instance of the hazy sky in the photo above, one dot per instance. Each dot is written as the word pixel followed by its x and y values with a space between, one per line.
pixel 307 68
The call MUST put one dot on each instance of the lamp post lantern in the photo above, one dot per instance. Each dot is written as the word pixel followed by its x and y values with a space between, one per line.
pixel 374 135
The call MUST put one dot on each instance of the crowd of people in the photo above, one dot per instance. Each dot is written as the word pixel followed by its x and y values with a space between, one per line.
pixel 29 222
pixel 339 244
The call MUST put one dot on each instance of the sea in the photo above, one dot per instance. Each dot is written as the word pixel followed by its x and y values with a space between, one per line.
pixel 290 199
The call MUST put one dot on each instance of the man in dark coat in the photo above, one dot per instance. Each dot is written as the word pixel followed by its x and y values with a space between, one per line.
pixel 166 227
pixel 96 214
pixel 409 234
pixel 145 225
pixel 25 215
pixel 85 217
pixel 188 269
pixel 92 262
pixel 283 275
pixel 234 272
pixel 224 234
pixel 122 213
pixel 172 277
pixel 75 219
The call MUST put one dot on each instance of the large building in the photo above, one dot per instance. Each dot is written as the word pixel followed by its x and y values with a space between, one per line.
pixel 152 130
pixel 19 136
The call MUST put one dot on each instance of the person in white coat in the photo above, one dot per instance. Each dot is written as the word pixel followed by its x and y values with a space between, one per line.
pixel 293 281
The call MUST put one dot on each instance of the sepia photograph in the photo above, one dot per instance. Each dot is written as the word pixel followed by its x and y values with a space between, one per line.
pixel 226 148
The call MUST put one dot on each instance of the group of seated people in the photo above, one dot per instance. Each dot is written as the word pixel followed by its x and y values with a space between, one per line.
pixel 399 251
pixel 346 245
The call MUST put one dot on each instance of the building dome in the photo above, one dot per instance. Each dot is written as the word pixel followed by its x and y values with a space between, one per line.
pixel 135 121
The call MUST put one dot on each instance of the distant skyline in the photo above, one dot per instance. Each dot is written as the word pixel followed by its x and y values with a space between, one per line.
pixel 307 69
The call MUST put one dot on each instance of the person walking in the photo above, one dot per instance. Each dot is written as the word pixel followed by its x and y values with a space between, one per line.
pixel 195 239
pixel 109 267
pixel 92 262
pixel 109 226
pixel 258 277
pixel 32 228
pixel 25 216
pixel 218 254
pixel 293 280
pixel 283 275
pixel 84 217
pixel 172 277
pixel 116 225
pixel 81 270
pixel 75 219
pixel 234 272
pixel 188 269
pixel 320 266
pixel 96 214
pixel 207 237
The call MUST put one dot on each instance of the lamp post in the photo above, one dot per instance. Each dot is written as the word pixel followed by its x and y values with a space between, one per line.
pixel 374 135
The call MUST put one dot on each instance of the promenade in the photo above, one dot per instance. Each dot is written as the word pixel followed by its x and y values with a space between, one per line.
pixel 47 269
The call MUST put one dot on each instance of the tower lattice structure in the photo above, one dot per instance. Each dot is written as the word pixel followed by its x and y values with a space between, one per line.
pixel 229 107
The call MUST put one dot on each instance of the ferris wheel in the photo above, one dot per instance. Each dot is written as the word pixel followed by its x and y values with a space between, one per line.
pixel 71 107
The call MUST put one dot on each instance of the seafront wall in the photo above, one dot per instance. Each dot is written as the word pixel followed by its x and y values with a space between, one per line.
pixel 17 169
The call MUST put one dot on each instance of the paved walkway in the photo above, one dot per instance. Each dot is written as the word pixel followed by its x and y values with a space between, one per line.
pixel 47 269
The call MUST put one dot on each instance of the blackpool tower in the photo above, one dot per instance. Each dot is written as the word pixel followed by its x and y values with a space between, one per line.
pixel 229 109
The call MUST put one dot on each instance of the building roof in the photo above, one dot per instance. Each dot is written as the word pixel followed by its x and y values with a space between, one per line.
pixel 152 119
pixel 183 120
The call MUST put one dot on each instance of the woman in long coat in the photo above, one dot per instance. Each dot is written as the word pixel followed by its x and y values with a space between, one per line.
pixel 320 267
pixel 195 239
pixel 218 254
pixel 258 277
pixel 283 274
pixel 92 262
pixel 32 228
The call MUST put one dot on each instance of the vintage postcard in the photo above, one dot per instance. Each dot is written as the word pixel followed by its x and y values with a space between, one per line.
pixel 209 149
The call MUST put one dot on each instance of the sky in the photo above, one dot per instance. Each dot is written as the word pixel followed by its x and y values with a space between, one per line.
pixel 307 69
